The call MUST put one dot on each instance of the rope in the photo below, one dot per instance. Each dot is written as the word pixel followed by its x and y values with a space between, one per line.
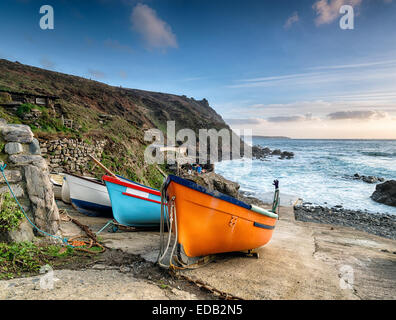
pixel 63 240
pixel 171 219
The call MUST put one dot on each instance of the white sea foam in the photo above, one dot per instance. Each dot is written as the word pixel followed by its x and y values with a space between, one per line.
pixel 320 172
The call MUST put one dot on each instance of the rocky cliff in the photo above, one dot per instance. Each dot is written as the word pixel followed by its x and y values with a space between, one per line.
pixel 88 111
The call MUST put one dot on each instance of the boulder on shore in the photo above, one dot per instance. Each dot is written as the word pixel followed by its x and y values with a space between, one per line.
pixel 385 193
pixel 215 182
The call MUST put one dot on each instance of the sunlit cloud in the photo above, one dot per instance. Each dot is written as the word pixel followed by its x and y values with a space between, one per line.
pixel 357 115
pixel 155 32
pixel 294 18
pixel 328 10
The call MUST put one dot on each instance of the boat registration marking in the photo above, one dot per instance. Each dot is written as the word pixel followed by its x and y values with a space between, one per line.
pixel 137 193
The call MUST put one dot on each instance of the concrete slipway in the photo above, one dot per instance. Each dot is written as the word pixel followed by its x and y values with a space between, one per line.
pixel 302 261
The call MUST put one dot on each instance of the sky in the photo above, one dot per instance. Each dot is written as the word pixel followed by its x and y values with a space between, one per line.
pixel 277 67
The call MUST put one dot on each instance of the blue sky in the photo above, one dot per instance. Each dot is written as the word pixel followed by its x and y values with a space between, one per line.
pixel 278 67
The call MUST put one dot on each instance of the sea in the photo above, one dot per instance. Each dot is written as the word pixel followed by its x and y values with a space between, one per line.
pixel 320 172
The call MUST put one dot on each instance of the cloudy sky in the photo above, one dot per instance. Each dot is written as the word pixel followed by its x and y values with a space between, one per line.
pixel 277 67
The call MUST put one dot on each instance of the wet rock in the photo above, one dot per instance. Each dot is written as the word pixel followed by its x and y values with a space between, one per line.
pixel 367 179
pixel 276 152
pixel 259 152
pixel 286 155
pixel 385 193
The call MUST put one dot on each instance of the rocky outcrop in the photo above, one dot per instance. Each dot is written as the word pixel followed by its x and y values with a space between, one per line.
pixel 27 172
pixel 215 182
pixel 367 179
pixel 385 193
pixel 259 152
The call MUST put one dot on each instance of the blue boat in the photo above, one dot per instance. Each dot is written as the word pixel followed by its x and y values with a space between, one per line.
pixel 133 204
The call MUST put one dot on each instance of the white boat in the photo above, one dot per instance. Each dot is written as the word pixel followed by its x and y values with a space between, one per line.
pixel 65 192
pixel 88 195
pixel 57 182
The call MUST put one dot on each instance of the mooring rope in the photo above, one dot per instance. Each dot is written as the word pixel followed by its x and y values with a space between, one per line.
pixel 63 240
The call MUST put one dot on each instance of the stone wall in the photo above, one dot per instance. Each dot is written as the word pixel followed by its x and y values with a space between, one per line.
pixel 27 172
pixel 70 155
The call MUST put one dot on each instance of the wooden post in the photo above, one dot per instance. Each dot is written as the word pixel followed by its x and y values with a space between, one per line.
pixel 102 166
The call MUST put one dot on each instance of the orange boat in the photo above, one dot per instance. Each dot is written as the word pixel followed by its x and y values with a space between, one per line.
pixel 206 222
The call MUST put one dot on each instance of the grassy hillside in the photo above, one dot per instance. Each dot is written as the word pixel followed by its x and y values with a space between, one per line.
pixel 129 113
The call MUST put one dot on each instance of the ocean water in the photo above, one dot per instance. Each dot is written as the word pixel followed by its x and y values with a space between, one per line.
pixel 319 171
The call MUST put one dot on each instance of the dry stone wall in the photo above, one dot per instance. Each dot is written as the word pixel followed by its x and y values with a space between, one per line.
pixel 28 174
pixel 70 155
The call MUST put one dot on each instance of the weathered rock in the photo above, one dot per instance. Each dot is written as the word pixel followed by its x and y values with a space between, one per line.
pixel 17 133
pixel 25 159
pixel 23 233
pixel 16 188
pixel 41 195
pixel 13 148
pixel 385 193
pixel 34 147
pixel 11 175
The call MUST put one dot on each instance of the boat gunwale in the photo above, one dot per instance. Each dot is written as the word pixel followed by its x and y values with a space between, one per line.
pixel 140 198
pixel 218 195
pixel 192 185
pixel 86 179
pixel 130 185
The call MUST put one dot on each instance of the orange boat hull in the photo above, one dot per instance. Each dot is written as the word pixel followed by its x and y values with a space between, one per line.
pixel 208 225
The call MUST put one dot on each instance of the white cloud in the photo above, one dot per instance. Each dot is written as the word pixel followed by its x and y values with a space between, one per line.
pixel 294 18
pixel 361 73
pixel 328 10
pixel 155 32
